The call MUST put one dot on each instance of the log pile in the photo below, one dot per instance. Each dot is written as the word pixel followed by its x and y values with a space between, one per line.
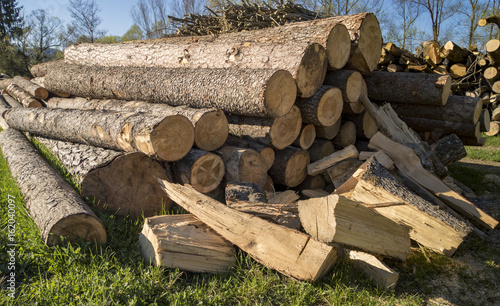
pixel 303 171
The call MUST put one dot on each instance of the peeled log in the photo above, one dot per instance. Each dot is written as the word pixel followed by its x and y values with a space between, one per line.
pixel 250 92
pixel 290 166
pixel 53 205
pixel 243 165
pixel 324 108
pixel 210 125
pixel 33 89
pixel 125 183
pixel 168 138
pixel 22 96
pixel 409 88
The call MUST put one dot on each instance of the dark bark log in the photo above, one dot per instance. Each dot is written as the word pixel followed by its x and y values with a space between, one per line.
pixel 324 108
pixel 33 89
pixel 346 135
pixel 266 152
pixel 366 127
pixel 455 53
pixel 350 82
pixel 245 192
pixel 290 166
pixel 328 132
pixel 320 148
pixel 449 149
pixel 445 127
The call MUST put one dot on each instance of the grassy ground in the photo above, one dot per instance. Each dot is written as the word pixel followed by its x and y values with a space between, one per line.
pixel 85 274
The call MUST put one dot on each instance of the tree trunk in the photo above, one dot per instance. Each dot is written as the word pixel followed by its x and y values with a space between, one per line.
pixel 53 205
pixel 328 132
pixel 324 108
pixel 22 96
pixel 320 148
pixel 445 127
pixel 33 89
pixel 289 252
pixel 455 53
pixel 290 166
pixel 273 132
pixel 306 137
pixel 492 47
pixel 250 92
pixel 337 219
pixel 184 242
pixel 200 169
pixel 243 165
pixel 346 135
pixel 307 62
pixel 266 152
pixel 210 125
pixel 409 88
pixel 167 138
pixel 350 82
pixel 125 183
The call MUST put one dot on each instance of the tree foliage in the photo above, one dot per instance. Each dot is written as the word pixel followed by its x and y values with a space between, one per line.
pixel 10 19
pixel 134 33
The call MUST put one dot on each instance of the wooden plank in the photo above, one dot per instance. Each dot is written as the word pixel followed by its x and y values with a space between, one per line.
pixel 326 162
pixel 381 274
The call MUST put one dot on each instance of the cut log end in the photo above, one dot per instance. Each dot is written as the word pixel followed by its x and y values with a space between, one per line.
pixel 207 173
pixel 172 138
pixel 79 226
pixel 445 83
pixel 286 129
pixel 269 155
pixel 338 47
pixel 211 131
pixel 330 106
pixel 280 93
pixel 370 41
pixel 307 136
pixel 312 70
pixel 296 170
pixel 492 45
pixel 252 167
pixel 354 87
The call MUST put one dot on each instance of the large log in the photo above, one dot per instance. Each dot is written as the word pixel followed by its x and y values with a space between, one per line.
pixel 248 193
pixel 22 96
pixel 290 166
pixel 11 101
pixel 250 92
pixel 184 242
pixel 125 183
pixel 33 89
pixel 337 219
pixel 350 82
pixel 266 152
pixel 444 127
pixel 323 108
pixel 492 47
pixel 455 53
pixel 210 125
pixel 449 149
pixel 168 138
pixel 272 132
pixel 243 165
pixel 409 88
pixel 53 205
pixel 40 70
pixel 287 251
pixel 366 127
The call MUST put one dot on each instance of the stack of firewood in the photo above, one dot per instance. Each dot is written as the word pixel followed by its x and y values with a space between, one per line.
pixel 131 120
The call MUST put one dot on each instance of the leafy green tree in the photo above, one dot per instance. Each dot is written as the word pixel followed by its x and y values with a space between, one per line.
pixel 134 33
pixel 109 39
pixel 10 19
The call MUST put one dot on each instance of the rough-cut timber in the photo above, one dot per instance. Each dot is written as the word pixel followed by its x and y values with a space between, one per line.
pixel 323 164
pixel 306 137
pixel 201 169
pixel 243 165
pixel 328 132
pixel 320 148
pixel 250 92
pixel 249 193
pixel 458 71
pixel 53 205
pixel 337 219
pixel 22 96
pixel 4 107
pixel 312 182
pixel 381 274
pixel 168 138
pixel 290 166
pixel 287 251
pixel 184 242
pixel 342 171
pixel 272 132
pixel 409 88
pixel 266 152
pixel 33 89
pixel 461 109
pixel 125 183
pixel 210 125
pixel 491 74
pixel 350 82
pixel 346 135
pixel 324 108
pixel 307 62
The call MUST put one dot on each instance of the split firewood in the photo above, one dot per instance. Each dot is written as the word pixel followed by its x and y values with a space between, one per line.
pixel 266 152
pixel 323 164
pixel 210 125
pixel 320 148
pixel 290 166
pixel 184 242
pixel 431 52
pixel 494 128
pixel 328 132
pixel 300 256
pixel 23 97
pixel 102 175
pixel 314 193
pixel 342 171
pixel 54 206
pixel 306 137
pixel 243 165
pixel 346 135
pixel 323 108
pixel 202 170
pixel 337 219
pixel 484 121
pixel 240 192
pixel 33 89
pixel 285 197
pixel 381 274
pixel 168 138
pixel 250 92
pixel 449 149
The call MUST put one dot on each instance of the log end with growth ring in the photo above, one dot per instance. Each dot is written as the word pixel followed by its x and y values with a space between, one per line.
pixel 207 172
pixel 338 47
pixel 307 136
pixel 211 130
pixel 354 87
pixel 330 107
pixel 172 139
pixel 492 45
pixel 78 226
pixel 312 70
pixel 286 129
pixel 269 156
pixel 445 83
pixel 280 93
pixel 370 41
pixel 296 169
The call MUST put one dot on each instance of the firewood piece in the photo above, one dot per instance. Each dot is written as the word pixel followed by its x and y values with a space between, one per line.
pixel 250 193
pixel 430 226
pixel 409 88
pixel 266 152
pixel 11 101
pixel 269 184
pixel 300 256
pixel 495 115
pixel 496 87
pixel 445 127
pixel 184 242
pixel 320 148
pixel 290 166
pixel 285 197
pixel 441 69
pixel 283 214
pixel 33 89
pixel 391 48
pixel 355 108
pixel 210 125
pixel 337 219
pixel 380 273
pixel 473 141
pixel 306 137
pixel 346 135
pixel 102 173
pixel 454 53
pixel 168 138
pixel 272 132
pixel 250 92
pixel 42 69
pixel 386 58
pixel 491 74
pixel 494 128
pixel 350 82
pixel 328 132
pixel 419 68
pixel 366 127
pixel 22 96
pixel 432 52
pixel 490 19
pixel 342 171
pixel 4 107
pixel 459 109
pixel 314 193
pixel 54 206
pixel 324 108
pixel 395 68
pixel 449 149
pixel 201 169
pixel 458 70
pixel 409 163
pixel 492 47
pixel 312 182
pixel 330 160
pixel 484 121
pixel 243 165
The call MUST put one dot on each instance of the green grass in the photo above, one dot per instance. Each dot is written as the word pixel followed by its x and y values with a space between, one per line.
pixel 489 152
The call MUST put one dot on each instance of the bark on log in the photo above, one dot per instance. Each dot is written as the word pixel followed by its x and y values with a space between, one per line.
pixel 250 92
pixel 273 132
pixel 266 152
pixel 431 52
pixel 366 127
pixel 125 183
pixel 250 193
pixel 328 132
pixel 53 205
pixel 494 128
pixel 323 164
pixel 290 166
pixel 323 108
pixel 5 83
pixel 320 148
pixel 455 53
pixel 409 88
pixel 449 149
pixel 381 274
pixel 445 127
pixel 42 69
pixel 350 82
pixel 286 215
pixel 210 125
pixel 33 89
pixel 491 74
pixel 11 101
pixel 337 219
pixel 306 62
pixel 346 135
pixel 200 169
pixel 306 137
pixel 167 138
pixel 184 242
pixel 458 71
pixel 22 96
pixel 243 165
pixel 492 47
pixel 473 141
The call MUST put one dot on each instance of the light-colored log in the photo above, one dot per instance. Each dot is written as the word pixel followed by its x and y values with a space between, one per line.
pixel 33 89
pixel 306 137
pixel 23 97
pixel 266 152
pixel 320 148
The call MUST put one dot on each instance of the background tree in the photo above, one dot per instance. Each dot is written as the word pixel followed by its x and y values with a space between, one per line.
pixel 346 7
pixel 472 11
pixel 151 16
pixel 10 19
pixel 439 11
pixel 85 19
pixel 402 28
pixel 185 7
pixel 42 32
pixel 134 33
